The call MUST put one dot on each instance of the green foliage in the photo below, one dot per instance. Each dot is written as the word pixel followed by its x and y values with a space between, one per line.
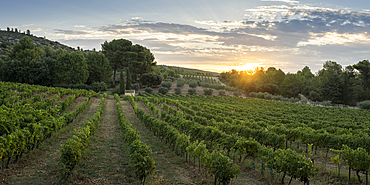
pixel 178 90
pixel 99 68
pixel 128 79
pixel 72 86
pixel 121 84
pixel 193 84
pixel 71 68
pixel 166 84
pixel 192 91
pixel 222 92
pixel 136 87
pixel 267 96
pixel 99 86
pixel 208 92
pixel 25 50
pixel 237 93
pixel 314 96
pixel 180 84
pixel 163 90
pixel 148 90
pixel 151 79
pixel 364 104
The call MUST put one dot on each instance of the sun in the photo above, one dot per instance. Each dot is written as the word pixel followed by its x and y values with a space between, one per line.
pixel 246 67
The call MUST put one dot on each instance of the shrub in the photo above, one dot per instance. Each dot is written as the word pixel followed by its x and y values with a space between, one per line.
pixel 148 90
pixel 150 79
pixel 278 97
pixel 136 87
pixel 167 80
pixel 293 100
pixel 326 103
pixel 237 93
pixel 260 95
pixel 180 84
pixel 267 96
pixel 253 94
pixel 304 101
pixel 178 90
pixel 285 99
pixel 364 104
pixel 208 91
pixel 99 86
pixel 193 84
pixel 222 92
pixel 166 84
pixel 163 90
pixel 192 91
pixel 170 78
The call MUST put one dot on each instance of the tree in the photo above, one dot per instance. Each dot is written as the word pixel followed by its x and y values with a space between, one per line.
pixel 121 83
pixel 25 50
pixel 28 32
pixel 98 67
pixel 292 85
pixel 16 30
pixel 7 29
pixel 331 88
pixel 116 51
pixel 128 79
pixel 151 79
pixel 71 68
pixel 364 68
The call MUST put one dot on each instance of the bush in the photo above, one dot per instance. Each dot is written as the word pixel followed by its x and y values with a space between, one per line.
pixel 326 103
pixel 267 96
pixel 208 91
pixel 260 95
pixel 193 84
pixel 304 101
pixel 285 99
pixel 293 100
pixel 167 80
pixel 166 84
pixel 237 93
pixel 73 86
pixel 253 94
pixel 178 90
pixel 180 84
pixel 364 104
pixel 136 87
pixel 163 90
pixel 222 92
pixel 150 79
pixel 278 97
pixel 99 86
pixel 148 90
pixel 192 91
pixel 170 78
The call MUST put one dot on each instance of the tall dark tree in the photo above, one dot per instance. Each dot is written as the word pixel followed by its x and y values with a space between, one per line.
pixel 121 84
pixel 116 52
pixel 331 82
pixel 128 79
pixel 99 68
pixel 28 32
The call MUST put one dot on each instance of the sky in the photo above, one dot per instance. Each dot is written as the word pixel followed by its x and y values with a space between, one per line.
pixel 210 35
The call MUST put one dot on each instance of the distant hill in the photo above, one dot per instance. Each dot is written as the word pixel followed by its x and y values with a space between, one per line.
pixel 9 38
pixel 195 70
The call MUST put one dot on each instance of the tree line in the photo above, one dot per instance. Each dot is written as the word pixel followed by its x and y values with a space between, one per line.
pixel 26 63
pixel 333 83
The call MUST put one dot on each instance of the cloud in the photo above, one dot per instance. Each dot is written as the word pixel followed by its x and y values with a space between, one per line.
pixel 25 25
pixel 79 26
pixel 285 36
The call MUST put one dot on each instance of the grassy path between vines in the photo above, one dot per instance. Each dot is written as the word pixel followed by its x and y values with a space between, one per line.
pixel 106 159
pixel 40 166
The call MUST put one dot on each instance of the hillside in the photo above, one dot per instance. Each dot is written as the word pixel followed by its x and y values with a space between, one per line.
pixel 9 38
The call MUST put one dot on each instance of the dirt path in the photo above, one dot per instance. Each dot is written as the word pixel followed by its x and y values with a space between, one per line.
pixel 106 159
pixel 40 166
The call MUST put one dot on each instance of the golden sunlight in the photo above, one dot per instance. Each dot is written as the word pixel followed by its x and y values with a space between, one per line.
pixel 246 67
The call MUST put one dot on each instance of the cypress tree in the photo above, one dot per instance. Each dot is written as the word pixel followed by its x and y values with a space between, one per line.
pixel 121 84
pixel 128 79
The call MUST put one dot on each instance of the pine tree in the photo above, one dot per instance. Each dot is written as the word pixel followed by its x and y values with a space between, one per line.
pixel 121 84
pixel 128 79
